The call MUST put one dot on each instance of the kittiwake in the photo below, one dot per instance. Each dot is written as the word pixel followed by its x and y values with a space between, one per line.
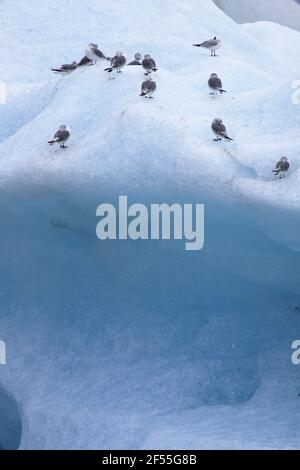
pixel 61 136
pixel 219 130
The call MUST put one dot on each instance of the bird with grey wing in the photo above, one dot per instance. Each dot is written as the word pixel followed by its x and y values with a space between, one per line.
pixel 148 88
pixel 61 136
pixel 92 55
pixel 212 44
pixel 117 63
pixel 219 130
pixel 215 84
pixel 66 68
pixel 282 167
pixel 137 59
pixel 149 64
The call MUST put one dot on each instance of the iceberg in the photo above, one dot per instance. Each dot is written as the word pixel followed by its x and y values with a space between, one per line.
pixel 139 344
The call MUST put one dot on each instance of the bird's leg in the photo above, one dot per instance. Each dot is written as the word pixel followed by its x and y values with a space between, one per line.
pixel 217 139
pixel 63 146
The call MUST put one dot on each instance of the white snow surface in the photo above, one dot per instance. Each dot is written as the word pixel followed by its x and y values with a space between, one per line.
pixel 145 346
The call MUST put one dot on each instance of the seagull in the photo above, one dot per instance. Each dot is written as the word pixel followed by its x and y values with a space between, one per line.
pixel 219 130
pixel 84 61
pixel 149 64
pixel 137 59
pixel 117 62
pixel 61 136
pixel 211 44
pixel 215 84
pixel 148 88
pixel 94 54
pixel 282 167
pixel 66 68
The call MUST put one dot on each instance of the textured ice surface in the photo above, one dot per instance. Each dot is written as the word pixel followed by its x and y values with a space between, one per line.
pixel 285 12
pixel 141 344
pixel 10 422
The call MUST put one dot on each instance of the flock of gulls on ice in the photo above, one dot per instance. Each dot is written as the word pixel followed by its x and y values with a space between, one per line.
pixel 93 54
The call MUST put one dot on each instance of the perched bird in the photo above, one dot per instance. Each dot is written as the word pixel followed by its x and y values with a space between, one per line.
pixel 94 54
pixel 148 88
pixel 66 68
pixel 137 59
pixel 149 64
pixel 282 167
pixel 61 136
pixel 219 130
pixel 117 62
pixel 211 44
pixel 84 61
pixel 215 84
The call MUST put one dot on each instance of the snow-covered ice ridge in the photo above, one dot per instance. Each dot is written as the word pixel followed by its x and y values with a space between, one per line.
pixel 142 345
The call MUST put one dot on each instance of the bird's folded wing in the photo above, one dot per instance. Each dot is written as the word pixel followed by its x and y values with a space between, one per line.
pixel 99 54
pixel 62 135
pixel 84 61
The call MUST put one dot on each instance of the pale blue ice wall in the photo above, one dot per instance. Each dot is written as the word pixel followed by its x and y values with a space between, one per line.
pixel 136 345
pixel 10 422
pixel 111 340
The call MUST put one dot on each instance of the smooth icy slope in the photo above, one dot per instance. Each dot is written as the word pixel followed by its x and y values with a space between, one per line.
pixel 132 345
pixel 285 12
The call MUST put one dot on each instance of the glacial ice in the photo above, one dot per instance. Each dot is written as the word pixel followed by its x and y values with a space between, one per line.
pixel 141 344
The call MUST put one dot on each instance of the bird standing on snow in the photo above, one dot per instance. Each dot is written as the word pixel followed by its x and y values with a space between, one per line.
pixel 149 64
pixel 219 130
pixel 282 167
pixel 212 44
pixel 61 136
pixel 215 84
pixel 66 68
pixel 148 88
pixel 84 61
pixel 117 62
pixel 137 59
pixel 94 54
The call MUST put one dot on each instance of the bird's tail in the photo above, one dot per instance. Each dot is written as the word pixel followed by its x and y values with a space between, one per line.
pixel 56 70
pixel 223 91
pixel 228 138
pixel 276 172
pixel 144 93
pixel 197 45
pixel 51 142
pixel 109 69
